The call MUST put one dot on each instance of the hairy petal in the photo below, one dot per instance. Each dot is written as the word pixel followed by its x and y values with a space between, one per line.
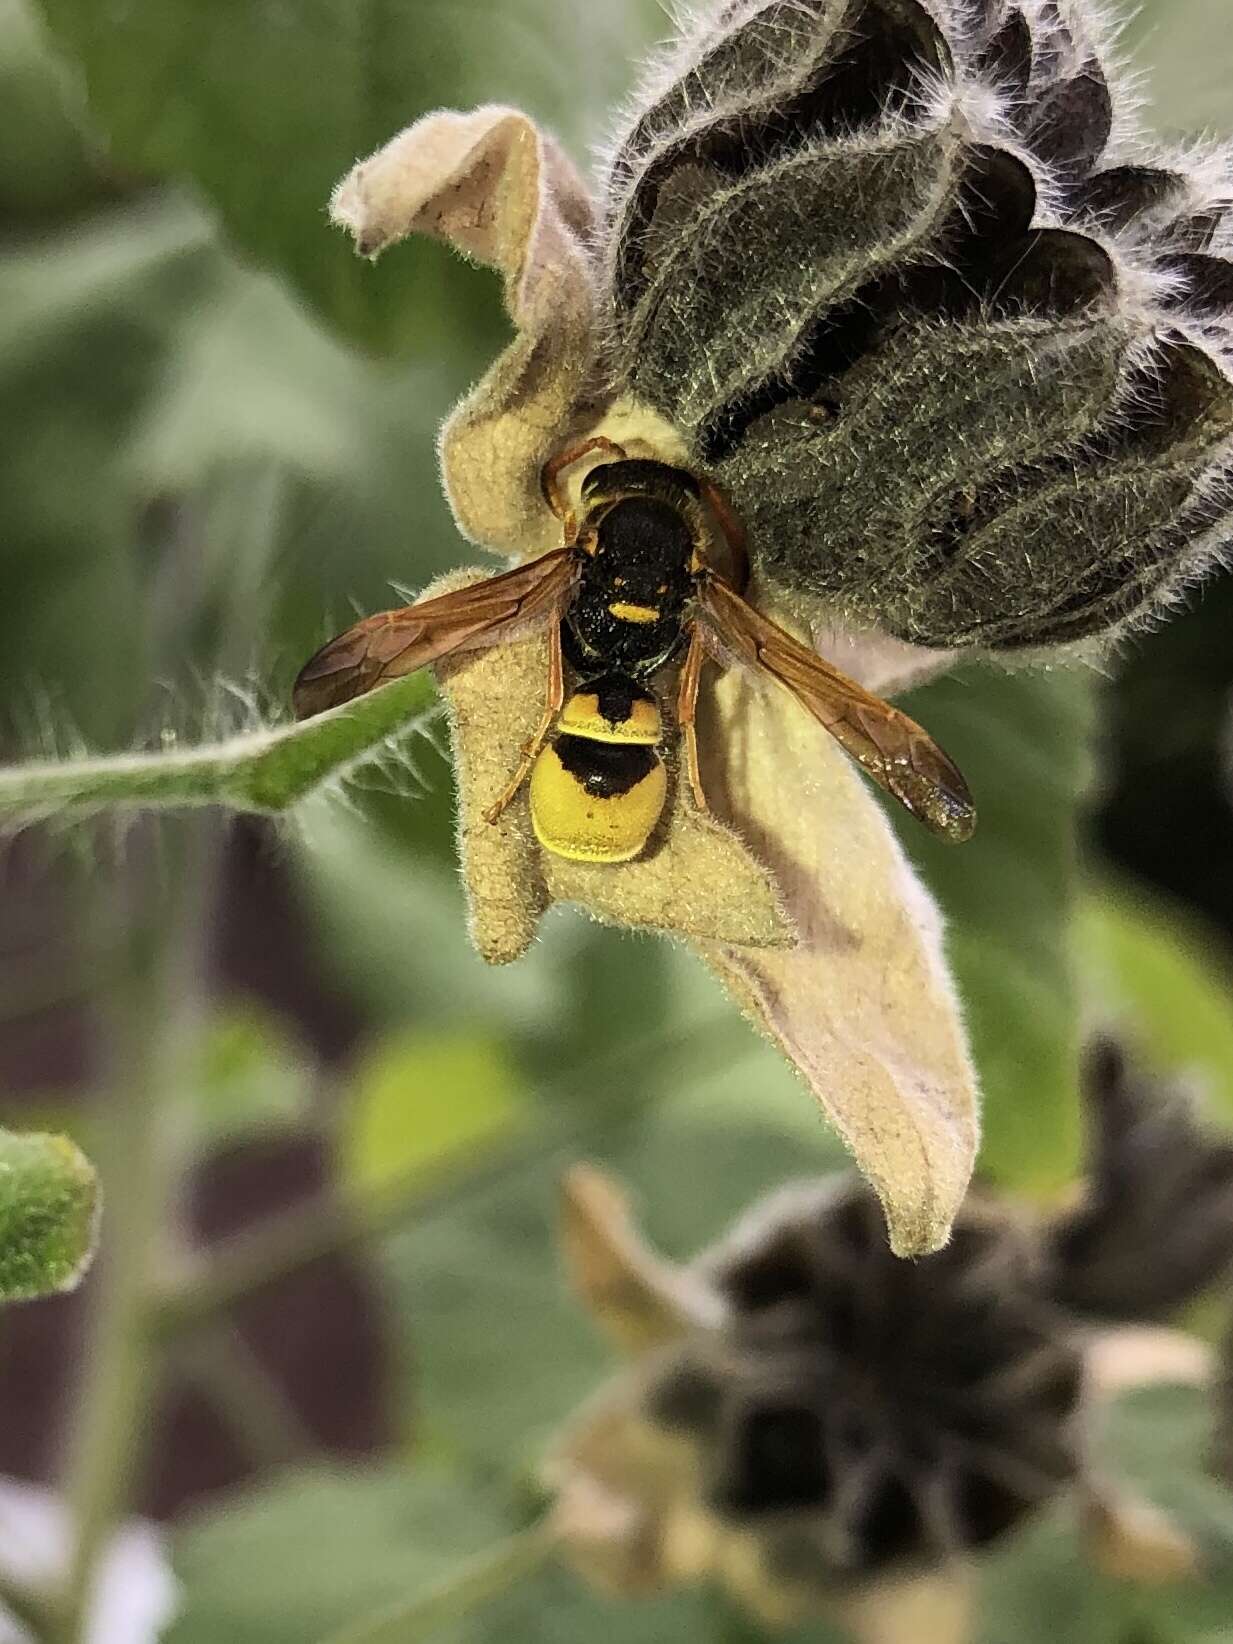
pixel 862 1005
pixel 499 190
pixel 696 879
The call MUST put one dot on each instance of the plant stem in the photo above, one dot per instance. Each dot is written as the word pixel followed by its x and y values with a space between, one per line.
pixel 156 1022
pixel 28 1609
pixel 247 1397
pixel 258 771
pixel 161 929
pixel 477 1583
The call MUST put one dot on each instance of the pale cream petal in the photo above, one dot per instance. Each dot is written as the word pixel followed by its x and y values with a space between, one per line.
pixel 938 1608
pixel 639 1299
pixel 501 191
pixel 1129 1539
pixel 1126 1357
pixel 696 879
pixel 863 1004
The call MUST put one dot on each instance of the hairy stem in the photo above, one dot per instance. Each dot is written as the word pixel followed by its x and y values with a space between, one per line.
pixel 259 771
pixel 477 1583
pixel 160 930
pixel 247 1397
pixel 154 1027
pixel 28 1609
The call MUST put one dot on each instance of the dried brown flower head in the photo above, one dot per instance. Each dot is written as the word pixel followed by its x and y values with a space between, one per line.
pixel 808 1419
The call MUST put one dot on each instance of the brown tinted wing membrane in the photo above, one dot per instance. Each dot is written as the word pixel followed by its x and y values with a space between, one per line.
pixel 894 750
pixel 393 643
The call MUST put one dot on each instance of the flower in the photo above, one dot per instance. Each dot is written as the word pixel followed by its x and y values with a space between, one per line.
pixel 901 278
pixel 816 1423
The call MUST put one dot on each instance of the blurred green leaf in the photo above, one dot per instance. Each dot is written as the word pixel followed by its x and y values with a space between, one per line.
pixel 421 1099
pixel 319 1548
pixel 1165 980
pixel 385 889
pixel 86 316
pixel 148 374
pixel 1008 896
pixel 1041 1590
pixel 301 1557
pixel 698 1123
pixel 395 930
pixel 1185 49
pixel 45 165
pixel 265 107
pixel 49 1200
pixel 255 1077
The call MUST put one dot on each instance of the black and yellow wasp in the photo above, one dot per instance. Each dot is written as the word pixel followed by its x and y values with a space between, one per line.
pixel 631 591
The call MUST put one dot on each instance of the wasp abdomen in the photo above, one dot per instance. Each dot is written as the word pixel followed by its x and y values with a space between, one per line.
pixel 599 789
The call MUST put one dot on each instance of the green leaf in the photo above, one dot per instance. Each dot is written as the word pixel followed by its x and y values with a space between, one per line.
pixel 319 1551
pixel 421 1099
pixel 302 1557
pixel 255 1077
pixel 86 317
pixel 265 109
pixel 1166 979
pixel 45 168
pixel 698 1122
pixel 1040 1589
pixel 1185 63
pixel 49 1201
pixel 1008 896
pixel 394 928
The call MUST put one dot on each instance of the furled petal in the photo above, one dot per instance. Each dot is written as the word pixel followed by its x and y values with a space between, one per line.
pixel 501 191
pixel 863 1005
pixel 696 878
pixel 639 1299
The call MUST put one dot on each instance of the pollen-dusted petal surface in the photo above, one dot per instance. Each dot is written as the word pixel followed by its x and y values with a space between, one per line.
pixel 502 192
pixel 695 880
pixel 494 699
pixel 862 1005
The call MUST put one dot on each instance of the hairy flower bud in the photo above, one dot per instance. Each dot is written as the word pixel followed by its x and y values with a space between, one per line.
pixel 905 278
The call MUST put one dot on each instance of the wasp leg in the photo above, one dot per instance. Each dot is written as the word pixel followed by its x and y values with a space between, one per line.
pixel 552 708
pixel 554 496
pixel 733 533
pixel 686 712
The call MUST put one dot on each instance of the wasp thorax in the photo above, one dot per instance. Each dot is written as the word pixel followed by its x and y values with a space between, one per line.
pixel 599 789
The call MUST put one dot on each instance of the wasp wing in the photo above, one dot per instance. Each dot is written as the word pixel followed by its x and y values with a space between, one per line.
pixel 894 750
pixel 393 643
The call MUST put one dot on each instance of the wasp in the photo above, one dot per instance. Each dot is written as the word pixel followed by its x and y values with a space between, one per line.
pixel 631 590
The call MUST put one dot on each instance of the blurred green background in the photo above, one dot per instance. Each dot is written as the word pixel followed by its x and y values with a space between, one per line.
pixel 218 441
